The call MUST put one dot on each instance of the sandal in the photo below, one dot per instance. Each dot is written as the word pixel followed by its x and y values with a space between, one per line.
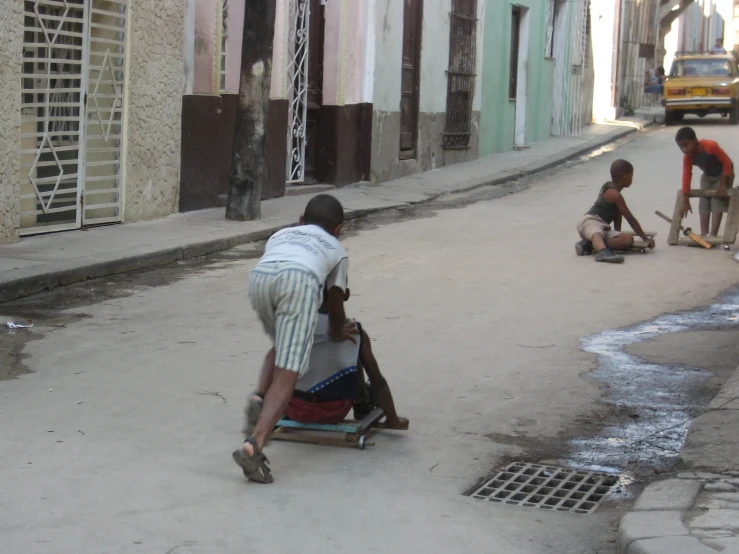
pixel 256 466
pixel 253 409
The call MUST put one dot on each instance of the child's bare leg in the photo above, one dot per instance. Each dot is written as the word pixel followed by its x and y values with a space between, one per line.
pixel 621 242
pixel 275 401
pixel 716 223
pixel 268 369
pixel 380 387
pixel 599 242
pixel 704 223
pixel 256 400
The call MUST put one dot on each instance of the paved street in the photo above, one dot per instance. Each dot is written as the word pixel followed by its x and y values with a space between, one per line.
pixel 476 306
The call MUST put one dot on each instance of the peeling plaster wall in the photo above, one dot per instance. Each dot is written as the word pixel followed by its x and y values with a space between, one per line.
pixel 154 108
pixel 11 29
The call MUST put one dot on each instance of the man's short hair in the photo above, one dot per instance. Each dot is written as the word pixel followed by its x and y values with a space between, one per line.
pixel 619 168
pixel 325 211
pixel 686 133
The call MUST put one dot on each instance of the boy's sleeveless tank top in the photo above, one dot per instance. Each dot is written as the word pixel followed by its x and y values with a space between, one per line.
pixel 602 208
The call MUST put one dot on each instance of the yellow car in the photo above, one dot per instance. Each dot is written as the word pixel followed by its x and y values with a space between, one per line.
pixel 702 84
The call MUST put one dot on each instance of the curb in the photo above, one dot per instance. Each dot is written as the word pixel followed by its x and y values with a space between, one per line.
pixel 27 286
pixel 655 526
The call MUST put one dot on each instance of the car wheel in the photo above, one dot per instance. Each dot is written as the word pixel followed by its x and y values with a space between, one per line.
pixel 670 117
pixel 734 116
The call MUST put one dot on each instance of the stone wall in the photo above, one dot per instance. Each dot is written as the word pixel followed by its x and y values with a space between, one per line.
pixel 154 109
pixel 11 29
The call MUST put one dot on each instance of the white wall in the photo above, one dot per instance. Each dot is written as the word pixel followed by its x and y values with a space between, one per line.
pixel 434 55
pixel 602 15
pixel 388 62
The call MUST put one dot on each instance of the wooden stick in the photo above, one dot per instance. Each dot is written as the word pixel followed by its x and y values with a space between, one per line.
pixel 687 233
pixel 712 193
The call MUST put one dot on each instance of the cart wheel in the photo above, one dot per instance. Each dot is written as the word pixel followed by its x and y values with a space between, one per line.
pixel 362 442
pixel 643 250
pixel 727 247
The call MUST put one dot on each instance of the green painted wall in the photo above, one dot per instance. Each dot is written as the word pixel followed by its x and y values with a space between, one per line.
pixel 497 111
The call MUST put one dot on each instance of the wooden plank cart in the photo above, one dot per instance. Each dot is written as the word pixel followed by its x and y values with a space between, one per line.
pixel 347 433
pixel 730 229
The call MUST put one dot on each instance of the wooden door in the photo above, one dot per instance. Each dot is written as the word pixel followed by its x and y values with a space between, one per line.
pixel 315 88
pixel 515 43
pixel 410 78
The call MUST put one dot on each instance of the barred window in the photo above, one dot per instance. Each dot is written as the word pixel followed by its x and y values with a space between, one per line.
pixel 461 74
pixel 549 49
pixel 222 47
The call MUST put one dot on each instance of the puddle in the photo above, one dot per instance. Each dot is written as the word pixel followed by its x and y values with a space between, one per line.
pixel 651 404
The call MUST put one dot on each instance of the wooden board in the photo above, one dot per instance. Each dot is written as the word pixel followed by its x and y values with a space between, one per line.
pixel 732 218
pixel 687 241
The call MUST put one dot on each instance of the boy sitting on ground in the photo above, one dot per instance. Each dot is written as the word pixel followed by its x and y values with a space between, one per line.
pixel 333 383
pixel 718 175
pixel 595 226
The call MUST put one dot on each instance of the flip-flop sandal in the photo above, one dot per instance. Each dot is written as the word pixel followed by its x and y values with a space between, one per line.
pixel 256 466
pixel 252 411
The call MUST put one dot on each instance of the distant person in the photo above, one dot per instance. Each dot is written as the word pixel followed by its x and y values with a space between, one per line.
pixel 655 81
pixel 595 226
pixel 718 175
pixel 718 48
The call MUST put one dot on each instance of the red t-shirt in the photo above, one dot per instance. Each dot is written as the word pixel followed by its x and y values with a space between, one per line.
pixel 711 159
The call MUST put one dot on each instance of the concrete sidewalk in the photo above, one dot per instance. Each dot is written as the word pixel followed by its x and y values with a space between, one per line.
pixel 697 512
pixel 45 262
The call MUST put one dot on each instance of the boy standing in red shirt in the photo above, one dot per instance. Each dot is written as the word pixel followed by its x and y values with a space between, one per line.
pixel 718 175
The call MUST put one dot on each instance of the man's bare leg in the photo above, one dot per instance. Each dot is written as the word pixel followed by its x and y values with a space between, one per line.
pixel 716 223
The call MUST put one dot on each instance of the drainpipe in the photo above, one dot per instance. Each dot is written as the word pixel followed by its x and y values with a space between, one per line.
pixel 616 49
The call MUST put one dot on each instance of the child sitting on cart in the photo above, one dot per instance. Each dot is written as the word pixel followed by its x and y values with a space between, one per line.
pixel 334 382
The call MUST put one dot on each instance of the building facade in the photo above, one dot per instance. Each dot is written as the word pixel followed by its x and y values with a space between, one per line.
pixel 90 121
pixel 371 90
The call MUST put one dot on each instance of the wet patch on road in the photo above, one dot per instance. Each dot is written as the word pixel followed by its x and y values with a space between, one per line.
pixel 650 406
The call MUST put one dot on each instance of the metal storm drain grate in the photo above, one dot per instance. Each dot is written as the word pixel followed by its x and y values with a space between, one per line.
pixel 548 488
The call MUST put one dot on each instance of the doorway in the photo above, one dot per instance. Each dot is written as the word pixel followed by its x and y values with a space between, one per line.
pixel 72 113
pixel 517 87
pixel 314 96
pixel 410 78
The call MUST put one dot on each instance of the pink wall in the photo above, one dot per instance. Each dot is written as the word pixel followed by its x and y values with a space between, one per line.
pixel 235 23
pixel 204 46
pixel 345 44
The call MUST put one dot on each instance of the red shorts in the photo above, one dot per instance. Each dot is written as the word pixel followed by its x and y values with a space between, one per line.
pixel 329 413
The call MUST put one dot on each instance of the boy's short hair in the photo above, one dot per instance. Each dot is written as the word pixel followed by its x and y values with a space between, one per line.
pixel 325 211
pixel 619 168
pixel 686 133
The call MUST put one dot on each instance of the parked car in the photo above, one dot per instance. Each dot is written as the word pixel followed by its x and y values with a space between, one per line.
pixel 702 84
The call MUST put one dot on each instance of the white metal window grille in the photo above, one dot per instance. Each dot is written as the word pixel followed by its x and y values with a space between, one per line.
pixel 461 74
pixel 52 112
pixel 72 71
pixel 224 39
pixel 104 126
pixel 297 93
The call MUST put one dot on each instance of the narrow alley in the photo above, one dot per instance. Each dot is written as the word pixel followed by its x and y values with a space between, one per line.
pixel 128 395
